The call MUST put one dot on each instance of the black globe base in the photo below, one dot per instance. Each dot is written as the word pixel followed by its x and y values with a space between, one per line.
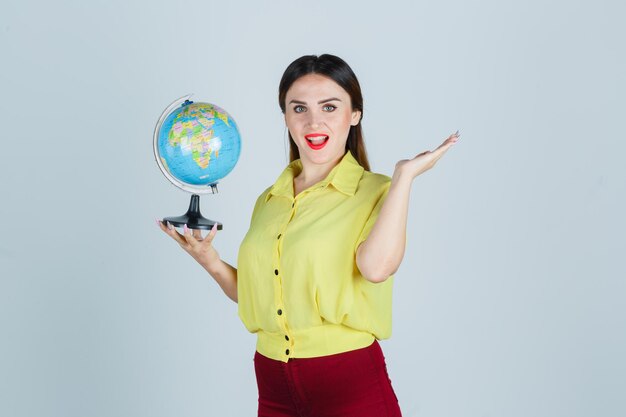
pixel 193 218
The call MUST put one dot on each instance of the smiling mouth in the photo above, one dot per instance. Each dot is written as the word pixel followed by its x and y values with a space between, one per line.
pixel 316 141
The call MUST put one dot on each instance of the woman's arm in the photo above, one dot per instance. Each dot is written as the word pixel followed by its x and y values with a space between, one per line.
pixel 202 250
pixel 226 277
pixel 380 255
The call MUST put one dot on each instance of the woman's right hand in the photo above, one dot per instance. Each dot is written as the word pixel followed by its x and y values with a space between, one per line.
pixel 201 249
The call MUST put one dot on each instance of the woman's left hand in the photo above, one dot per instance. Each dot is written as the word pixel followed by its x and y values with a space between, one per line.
pixel 411 168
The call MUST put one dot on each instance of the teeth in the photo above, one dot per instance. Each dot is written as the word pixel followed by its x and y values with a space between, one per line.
pixel 317 140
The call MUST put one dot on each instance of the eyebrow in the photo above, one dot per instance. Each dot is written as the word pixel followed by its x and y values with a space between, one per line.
pixel 319 102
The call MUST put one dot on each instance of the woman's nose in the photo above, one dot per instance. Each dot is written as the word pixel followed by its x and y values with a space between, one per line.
pixel 314 119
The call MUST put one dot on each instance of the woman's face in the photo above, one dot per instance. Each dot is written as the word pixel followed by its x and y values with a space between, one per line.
pixel 318 114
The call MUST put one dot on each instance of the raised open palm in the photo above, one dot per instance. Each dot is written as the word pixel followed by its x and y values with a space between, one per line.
pixel 424 161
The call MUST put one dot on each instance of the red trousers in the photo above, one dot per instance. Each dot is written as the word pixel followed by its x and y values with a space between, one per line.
pixel 348 384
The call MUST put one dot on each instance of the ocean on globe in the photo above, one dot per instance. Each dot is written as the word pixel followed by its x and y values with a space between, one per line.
pixel 197 144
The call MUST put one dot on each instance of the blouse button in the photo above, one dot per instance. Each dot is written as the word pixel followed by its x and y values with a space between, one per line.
pixel 287 352
pixel 286 337
pixel 293 204
pixel 280 312
pixel 276 272
pixel 279 236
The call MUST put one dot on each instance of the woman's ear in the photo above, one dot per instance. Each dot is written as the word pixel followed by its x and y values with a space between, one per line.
pixel 356 117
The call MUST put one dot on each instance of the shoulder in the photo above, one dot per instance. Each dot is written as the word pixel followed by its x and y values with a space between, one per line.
pixel 264 193
pixel 372 182
pixel 258 205
pixel 263 196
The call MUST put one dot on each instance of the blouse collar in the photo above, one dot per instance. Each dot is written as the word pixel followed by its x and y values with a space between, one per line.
pixel 344 177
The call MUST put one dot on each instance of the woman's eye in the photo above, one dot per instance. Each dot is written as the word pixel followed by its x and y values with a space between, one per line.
pixel 329 107
pixel 299 109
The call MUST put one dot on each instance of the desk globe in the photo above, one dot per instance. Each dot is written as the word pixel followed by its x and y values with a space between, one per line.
pixel 195 146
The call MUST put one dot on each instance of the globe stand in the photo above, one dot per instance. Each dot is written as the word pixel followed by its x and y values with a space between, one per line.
pixel 193 218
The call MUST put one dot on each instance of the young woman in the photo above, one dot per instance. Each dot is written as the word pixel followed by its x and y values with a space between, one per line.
pixel 315 270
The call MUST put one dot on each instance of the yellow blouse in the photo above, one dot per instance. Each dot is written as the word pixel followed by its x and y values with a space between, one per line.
pixel 299 288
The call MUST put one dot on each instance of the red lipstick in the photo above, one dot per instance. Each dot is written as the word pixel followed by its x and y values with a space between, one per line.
pixel 317 146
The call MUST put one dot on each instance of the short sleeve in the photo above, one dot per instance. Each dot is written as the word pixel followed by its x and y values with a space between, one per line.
pixel 371 220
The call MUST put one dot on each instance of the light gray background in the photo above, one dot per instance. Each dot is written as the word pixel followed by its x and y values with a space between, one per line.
pixel 510 299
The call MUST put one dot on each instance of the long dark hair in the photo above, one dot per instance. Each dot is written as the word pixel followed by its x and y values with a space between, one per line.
pixel 339 71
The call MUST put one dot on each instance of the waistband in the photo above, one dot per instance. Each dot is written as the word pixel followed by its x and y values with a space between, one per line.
pixel 327 339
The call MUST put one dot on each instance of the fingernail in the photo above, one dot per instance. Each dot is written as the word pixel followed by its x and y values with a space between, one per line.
pixel 185 228
pixel 169 225
pixel 214 226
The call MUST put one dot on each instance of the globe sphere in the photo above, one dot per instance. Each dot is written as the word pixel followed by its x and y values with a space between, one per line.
pixel 196 145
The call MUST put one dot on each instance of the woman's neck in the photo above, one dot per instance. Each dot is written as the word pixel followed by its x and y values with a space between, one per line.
pixel 312 174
